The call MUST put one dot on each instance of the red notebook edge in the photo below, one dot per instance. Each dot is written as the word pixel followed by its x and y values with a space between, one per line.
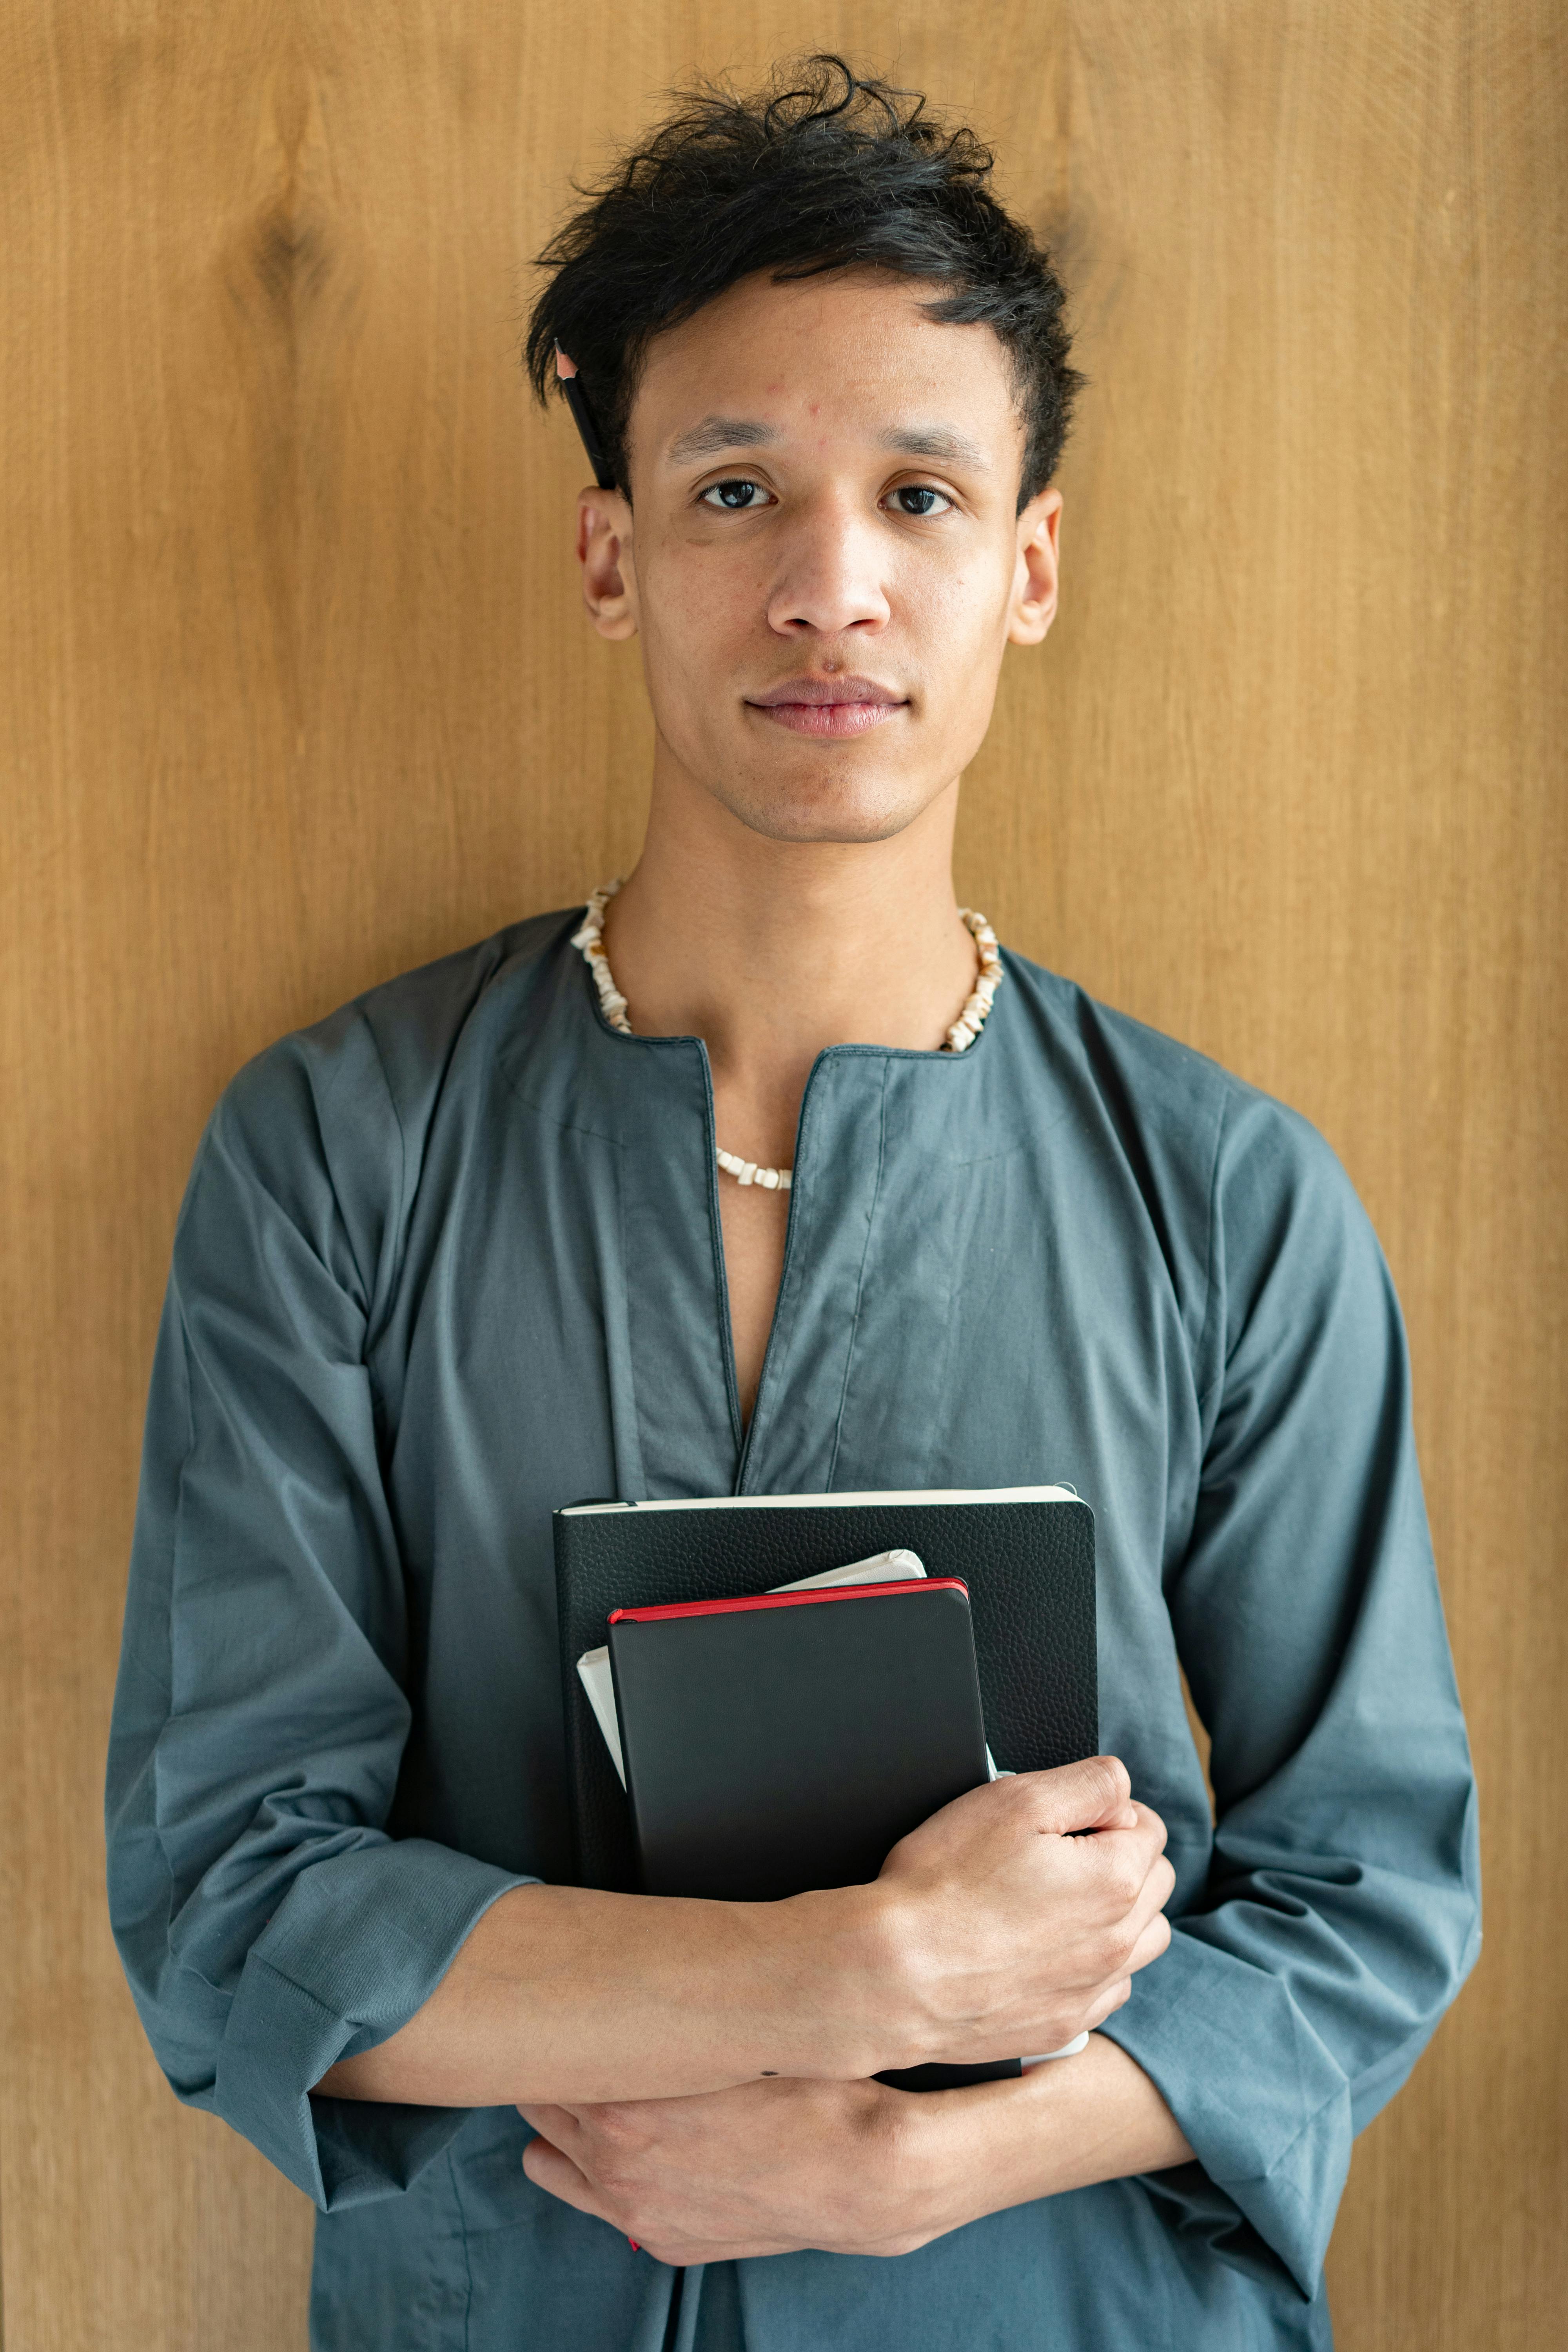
pixel 904 1587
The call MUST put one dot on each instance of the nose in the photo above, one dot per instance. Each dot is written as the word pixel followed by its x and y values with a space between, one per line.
pixel 829 575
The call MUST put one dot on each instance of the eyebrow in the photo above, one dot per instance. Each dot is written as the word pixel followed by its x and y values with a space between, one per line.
pixel 717 433
pixel 933 441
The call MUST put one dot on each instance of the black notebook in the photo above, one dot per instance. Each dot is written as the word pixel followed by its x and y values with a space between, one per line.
pixel 790 1740
pixel 1026 1556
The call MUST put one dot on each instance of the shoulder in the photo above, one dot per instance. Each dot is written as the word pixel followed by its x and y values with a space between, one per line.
pixel 394 1045
pixel 1172 1094
pixel 330 1123
pixel 1245 1183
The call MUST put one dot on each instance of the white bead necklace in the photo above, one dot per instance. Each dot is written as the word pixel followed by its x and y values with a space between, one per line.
pixel 589 937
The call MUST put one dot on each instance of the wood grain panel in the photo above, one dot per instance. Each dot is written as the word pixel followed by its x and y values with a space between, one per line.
pixel 1293 788
pixel 297 694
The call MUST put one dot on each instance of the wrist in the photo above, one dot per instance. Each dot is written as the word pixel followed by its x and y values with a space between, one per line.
pixel 844 1954
pixel 1067 2125
pixel 947 2157
pixel 970 2152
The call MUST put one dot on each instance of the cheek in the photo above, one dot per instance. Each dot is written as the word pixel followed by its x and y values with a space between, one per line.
pixel 698 609
pixel 697 626
pixel 957 622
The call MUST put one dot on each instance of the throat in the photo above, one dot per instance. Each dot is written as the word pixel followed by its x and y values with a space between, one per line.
pixel 760 1068
pixel 777 1066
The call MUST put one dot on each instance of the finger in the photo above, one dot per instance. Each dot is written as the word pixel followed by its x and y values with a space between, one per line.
pixel 548 2169
pixel 1122 1859
pixel 1151 1825
pixel 1145 1833
pixel 684 2253
pixel 1094 1793
pixel 1105 2004
pixel 1152 1897
pixel 1154 1939
pixel 563 2111
pixel 555 2122
pixel 1136 1929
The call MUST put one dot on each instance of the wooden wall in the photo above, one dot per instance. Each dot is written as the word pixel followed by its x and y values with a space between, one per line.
pixel 297 693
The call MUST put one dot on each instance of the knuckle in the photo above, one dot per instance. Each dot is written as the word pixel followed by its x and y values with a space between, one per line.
pixel 616 2134
pixel 1108 1778
pixel 1117 1949
pixel 608 2123
pixel 610 2156
pixel 1108 2003
pixel 1126 1877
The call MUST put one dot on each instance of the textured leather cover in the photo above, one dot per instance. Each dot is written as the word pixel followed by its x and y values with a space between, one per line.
pixel 1029 1567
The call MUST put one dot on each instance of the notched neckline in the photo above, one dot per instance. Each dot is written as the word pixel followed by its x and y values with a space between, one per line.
pixel 937 1054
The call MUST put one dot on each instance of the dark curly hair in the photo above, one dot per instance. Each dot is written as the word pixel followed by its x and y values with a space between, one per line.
pixel 821 170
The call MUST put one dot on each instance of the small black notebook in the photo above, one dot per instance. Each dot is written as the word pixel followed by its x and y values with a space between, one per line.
pixel 789 1741
pixel 1025 1553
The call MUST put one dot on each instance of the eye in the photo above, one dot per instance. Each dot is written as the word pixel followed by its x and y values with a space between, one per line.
pixel 918 498
pixel 737 497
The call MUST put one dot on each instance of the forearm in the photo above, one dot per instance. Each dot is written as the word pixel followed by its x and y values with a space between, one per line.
pixel 566 1994
pixel 953 2156
pixel 1066 2125
pixel 993 1927
pixel 848 2167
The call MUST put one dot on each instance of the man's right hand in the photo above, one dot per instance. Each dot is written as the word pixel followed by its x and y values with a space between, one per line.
pixel 1009 1927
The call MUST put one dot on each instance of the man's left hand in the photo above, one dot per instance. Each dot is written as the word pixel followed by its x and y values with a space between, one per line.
pixel 765 2168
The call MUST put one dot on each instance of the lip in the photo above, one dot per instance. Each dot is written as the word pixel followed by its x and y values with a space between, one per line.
pixel 828 706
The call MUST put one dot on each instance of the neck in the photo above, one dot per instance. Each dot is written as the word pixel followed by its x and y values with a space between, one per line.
pixel 771 951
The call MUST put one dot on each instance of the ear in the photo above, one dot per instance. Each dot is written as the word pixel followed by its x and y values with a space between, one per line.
pixel 605 552
pixel 1034 605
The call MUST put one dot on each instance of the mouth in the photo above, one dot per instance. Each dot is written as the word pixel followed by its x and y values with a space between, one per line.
pixel 828 706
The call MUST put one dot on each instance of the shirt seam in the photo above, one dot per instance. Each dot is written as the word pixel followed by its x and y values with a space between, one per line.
pixel 399 1227
pixel 860 1281
pixel 461 2204
pixel 190 1447
pixel 1213 1291
pixel 724 1330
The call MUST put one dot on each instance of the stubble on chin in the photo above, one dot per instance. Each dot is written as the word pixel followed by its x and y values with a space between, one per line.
pixel 828 802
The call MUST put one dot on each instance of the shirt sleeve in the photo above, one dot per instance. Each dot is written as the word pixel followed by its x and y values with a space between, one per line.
pixel 1342 1909
pixel 268 1921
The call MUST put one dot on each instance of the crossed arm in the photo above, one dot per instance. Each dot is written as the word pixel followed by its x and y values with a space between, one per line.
pixel 698 2072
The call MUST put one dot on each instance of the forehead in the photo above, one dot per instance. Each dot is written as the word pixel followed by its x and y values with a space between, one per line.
pixel 851 353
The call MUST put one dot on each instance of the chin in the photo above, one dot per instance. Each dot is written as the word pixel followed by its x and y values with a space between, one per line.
pixel 782 824
pixel 827 809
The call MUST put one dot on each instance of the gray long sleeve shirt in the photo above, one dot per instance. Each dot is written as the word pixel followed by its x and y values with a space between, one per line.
pixel 452 1258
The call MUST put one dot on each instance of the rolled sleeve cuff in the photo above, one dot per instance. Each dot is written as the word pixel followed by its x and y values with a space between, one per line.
pixel 1265 2107
pixel 359 1944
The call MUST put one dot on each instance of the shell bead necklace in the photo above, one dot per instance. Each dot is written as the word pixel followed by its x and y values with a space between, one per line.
pixel 589 939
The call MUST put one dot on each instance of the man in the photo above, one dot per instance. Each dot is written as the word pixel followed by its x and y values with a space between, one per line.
pixel 476 1246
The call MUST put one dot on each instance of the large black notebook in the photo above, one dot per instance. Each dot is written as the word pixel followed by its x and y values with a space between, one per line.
pixel 1026 1555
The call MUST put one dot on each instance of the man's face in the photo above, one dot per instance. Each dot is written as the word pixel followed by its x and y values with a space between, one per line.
pixel 823 555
